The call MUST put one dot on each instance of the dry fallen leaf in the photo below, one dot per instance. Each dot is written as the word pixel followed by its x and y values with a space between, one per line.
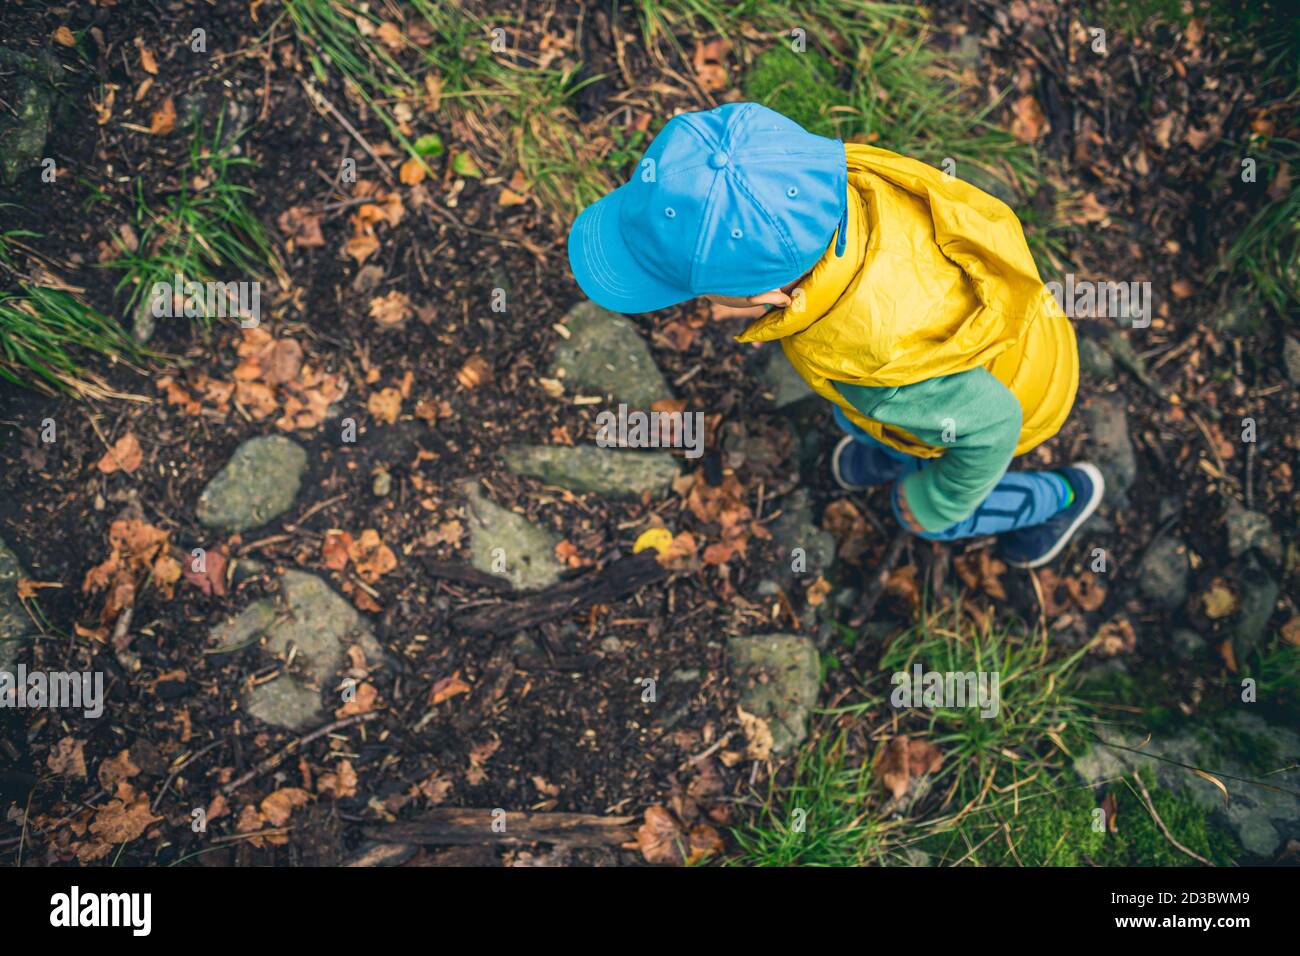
pixel 68 758
pixel 125 455
pixel 163 120
pixel 758 735
pixel 1029 123
pixel 278 806
pixel 446 688
pixel 65 37
pixel 385 405
pixel 391 309
pixel 371 558
pixel 904 760
pixel 475 372
pixel 411 172
pixel 660 837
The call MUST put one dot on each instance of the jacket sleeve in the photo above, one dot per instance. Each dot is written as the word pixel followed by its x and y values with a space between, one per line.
pixel 971 415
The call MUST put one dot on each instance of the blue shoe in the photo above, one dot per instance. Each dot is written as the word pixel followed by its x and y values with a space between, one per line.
pixel 1034 547
pixel 856 465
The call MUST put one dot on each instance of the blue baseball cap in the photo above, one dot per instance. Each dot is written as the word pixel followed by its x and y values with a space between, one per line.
pixel 734 200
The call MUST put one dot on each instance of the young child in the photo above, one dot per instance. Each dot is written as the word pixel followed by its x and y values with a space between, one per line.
pixel 904 296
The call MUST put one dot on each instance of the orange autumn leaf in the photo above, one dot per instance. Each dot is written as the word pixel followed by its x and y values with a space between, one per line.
pixel 163 120
pixel 371 558
pixel 446 688
pixel 125 455
pixel 904 760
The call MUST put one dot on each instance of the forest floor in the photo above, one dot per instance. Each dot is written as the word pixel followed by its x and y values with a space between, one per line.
pixel 418 322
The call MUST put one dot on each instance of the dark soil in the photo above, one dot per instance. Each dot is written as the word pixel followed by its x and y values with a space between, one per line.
pixel 570 728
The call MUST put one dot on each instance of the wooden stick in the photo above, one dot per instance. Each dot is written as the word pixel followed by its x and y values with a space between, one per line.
pixel 609 584
pixel 458 826
pixel 267 764
pixel 454 571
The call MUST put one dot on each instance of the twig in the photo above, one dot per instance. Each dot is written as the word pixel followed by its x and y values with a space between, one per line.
pixel 266 764
pixel 877 587
pixel 175 773
pixel 318 100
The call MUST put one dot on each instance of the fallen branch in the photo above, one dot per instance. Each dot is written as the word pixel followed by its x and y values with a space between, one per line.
pixel 267 764
pixel 464 574
pixel 466 827
pixel 612 582
pixel 871 596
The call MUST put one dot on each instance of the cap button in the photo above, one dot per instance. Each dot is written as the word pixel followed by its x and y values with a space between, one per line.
pixel 719 159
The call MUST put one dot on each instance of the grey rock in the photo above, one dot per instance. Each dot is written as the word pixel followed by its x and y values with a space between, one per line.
pixel 259 483
pixel 1111 448
pixel 285 702
pixel 25 121
pixel 604 353
pixel 1164 573
pixel 782 382
pixel 606 471
pixel 1094 361
pixel 795 528
pixel 1291 358
pixel 1257 592
pixel 1250 529
pixel 1261 819
pixel 778 676
pixel 15 625
pixel 313 622
pixel 528 551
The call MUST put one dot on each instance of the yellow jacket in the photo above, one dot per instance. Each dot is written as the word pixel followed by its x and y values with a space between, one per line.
pixel 936 279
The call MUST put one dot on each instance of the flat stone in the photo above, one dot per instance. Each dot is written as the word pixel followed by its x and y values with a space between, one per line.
pixel 1250 529
pixel 1110 447
pixel 1094 361
pixel 502 538
pixel 258 484
pixel 285 702
pixel 15 625
pixel 778 676
pixel 795 529
pixel 1261 819
pixel 606 354
pixel 25 120
pixel 1257 592
pixel 606 471
pixel 1163 576
pixel 314 622
pixel 779 378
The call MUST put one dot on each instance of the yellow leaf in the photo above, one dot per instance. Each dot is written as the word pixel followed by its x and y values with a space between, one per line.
pixel 657 538
pixel 64 37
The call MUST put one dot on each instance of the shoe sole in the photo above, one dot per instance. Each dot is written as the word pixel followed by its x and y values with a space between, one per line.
pixel 835 465
pixel 1098 492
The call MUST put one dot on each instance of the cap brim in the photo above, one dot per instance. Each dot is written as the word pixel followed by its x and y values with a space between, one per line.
pixel 605 268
